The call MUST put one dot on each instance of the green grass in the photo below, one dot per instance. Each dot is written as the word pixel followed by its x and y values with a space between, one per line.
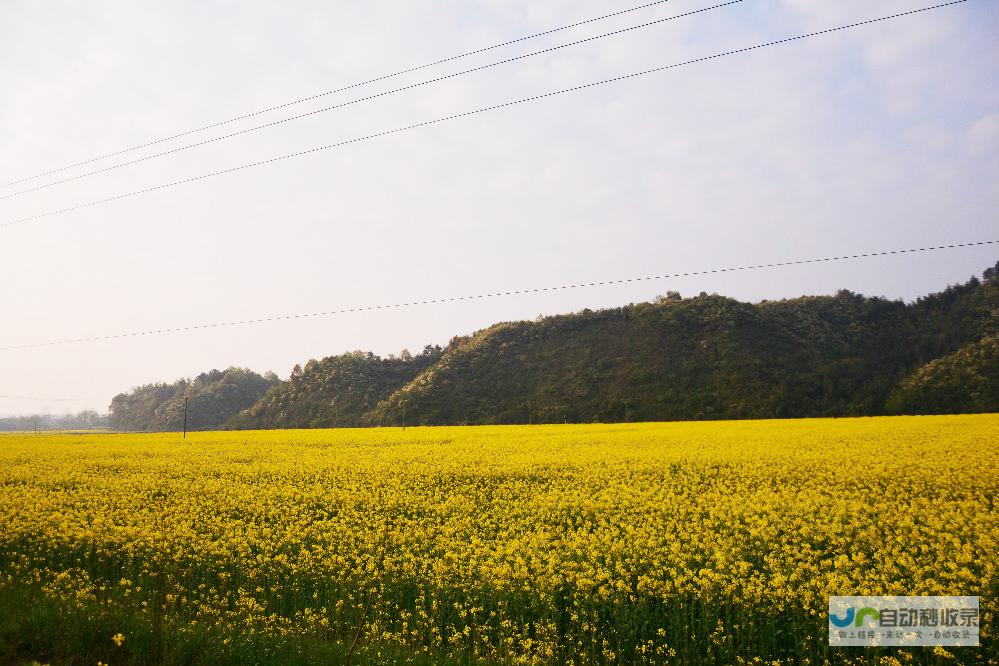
pixel 34 629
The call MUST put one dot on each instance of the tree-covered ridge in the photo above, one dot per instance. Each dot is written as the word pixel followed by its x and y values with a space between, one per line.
pixel 966 381
pixel 213 398
pixel 698 358
pixel 335 392
pixel 706 357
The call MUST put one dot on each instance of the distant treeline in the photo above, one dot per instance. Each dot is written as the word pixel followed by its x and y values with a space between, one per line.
pixel 213 398
pixel 85 420
pixel 706 357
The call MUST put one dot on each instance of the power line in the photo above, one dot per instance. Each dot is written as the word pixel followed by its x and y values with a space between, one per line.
pixel 495 294
pixel 383 77
pixel 366 98
pixel 464 114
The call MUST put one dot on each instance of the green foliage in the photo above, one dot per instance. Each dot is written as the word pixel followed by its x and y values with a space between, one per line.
pixel 36 630
pixel 335 392
pixel 213 398
pixel 966 381
pixel 707 357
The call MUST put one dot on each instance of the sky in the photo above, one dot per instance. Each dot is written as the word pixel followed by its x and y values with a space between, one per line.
pixel 880 137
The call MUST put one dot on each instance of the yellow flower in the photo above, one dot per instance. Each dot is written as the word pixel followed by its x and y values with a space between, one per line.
pixel 509 544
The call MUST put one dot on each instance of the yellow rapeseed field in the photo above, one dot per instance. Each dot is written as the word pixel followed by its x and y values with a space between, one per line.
pixel 634 543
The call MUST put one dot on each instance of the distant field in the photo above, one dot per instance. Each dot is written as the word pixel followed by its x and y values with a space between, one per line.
pixel 640 543
pixel 50 431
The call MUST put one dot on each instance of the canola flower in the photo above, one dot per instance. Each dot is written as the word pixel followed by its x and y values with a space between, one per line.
pixel 632 543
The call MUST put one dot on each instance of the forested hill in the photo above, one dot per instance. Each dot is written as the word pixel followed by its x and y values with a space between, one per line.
pixel 706 357
pixel 213 398
pixel 338 391
pixel 711 357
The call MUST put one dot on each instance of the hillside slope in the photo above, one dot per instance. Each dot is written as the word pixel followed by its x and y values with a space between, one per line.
pixel 966 381
pixel 213 398
pixel 707 357
pixel 699 358
pixel 336 391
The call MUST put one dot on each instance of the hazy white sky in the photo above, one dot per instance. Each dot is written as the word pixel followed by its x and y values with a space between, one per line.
pixel 881 137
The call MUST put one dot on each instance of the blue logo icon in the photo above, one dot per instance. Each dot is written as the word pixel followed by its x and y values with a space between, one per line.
pixel 855 618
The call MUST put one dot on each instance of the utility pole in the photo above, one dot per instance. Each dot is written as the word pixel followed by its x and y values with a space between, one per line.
pixel 185 418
